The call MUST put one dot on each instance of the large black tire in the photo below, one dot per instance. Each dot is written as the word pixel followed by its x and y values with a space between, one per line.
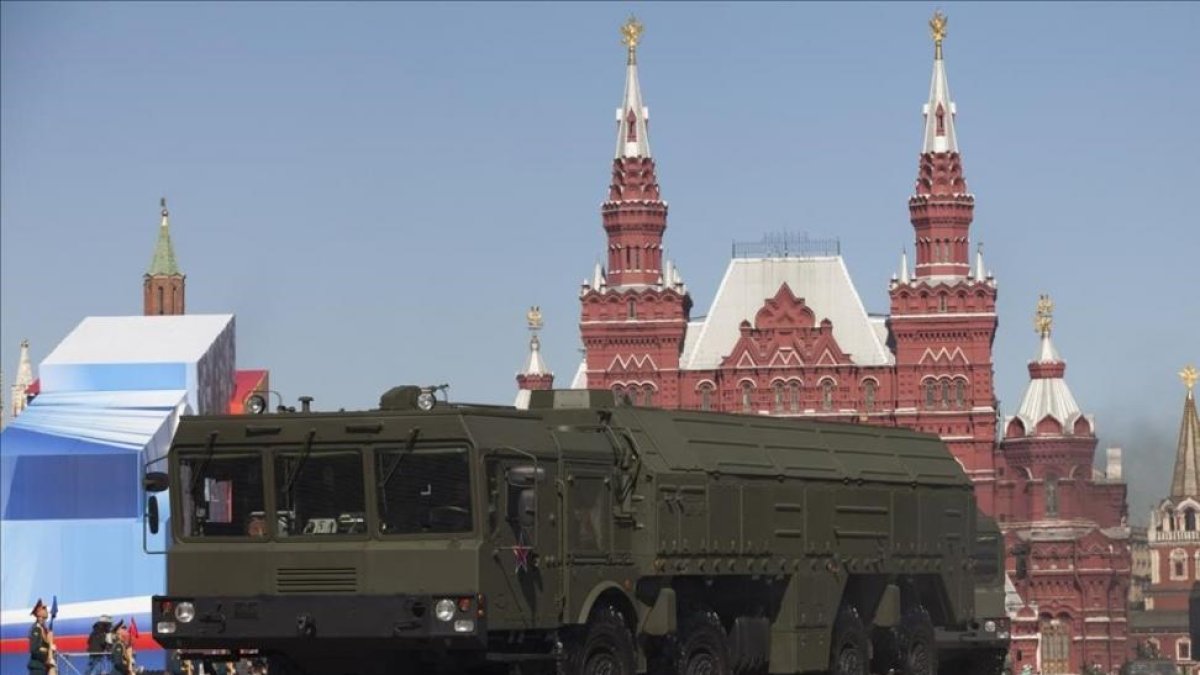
pixel 702 648
pixel 603 647
pixel 917 644
pixel 848 652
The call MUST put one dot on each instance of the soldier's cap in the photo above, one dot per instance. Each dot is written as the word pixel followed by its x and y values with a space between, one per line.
pixel 104 618
pixel 39 605
pixel 119 626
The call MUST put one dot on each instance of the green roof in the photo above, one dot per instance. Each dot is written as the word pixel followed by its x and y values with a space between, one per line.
pixel 163 263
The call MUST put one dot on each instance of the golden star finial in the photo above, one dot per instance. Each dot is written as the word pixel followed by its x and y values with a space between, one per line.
pixel 534 317
pixel 631 34
pixel 1045 315
pixel 937 27
pixel 1189 375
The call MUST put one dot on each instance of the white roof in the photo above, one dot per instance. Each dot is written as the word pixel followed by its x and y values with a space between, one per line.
pixel 535 365
pixel 1048 396
pixel 140 339
pixel 632 101
pixel 824 284
pixel 580 379
pixel 939 95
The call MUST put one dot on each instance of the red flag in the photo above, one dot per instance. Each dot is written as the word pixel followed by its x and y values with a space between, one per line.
pixel 133 631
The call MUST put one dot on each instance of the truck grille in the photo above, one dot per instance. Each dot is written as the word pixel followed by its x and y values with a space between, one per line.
pixel 316 580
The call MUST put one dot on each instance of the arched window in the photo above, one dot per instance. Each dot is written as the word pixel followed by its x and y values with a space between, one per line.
pixel 648 395
pixel 777 393
pixel 706 391
pixel 930 393
pixel 626 258
pixel 160 300
pixel 631 123
pixel 747 397
pixel 941 120
pixel 632 309
pixel 1178 565
pixel 794 396
pixel 637 258
pixel 945 393
pixel 1183 649
pixel 827 395
pixel 619 394
pixel 1189 520
pixel 942 302
pixel 869 395
pixel 1051 487
pixel 960 393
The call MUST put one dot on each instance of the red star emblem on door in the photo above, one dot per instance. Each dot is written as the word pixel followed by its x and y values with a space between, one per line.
pixel 521 554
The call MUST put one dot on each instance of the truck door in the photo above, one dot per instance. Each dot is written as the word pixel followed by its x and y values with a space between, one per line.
pixel 524 538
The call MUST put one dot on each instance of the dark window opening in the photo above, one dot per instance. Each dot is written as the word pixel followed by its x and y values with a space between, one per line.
pixel 222 495
pixel 827 395
pixel 424 491
pixel 320 494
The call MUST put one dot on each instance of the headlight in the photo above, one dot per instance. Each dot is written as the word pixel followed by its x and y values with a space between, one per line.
pixel 989 626
pixel 166 627
pixel 444 610
pixel 426 401
pixel 185 612
pixel 464 626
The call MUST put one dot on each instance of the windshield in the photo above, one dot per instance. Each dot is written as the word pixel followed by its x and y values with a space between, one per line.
pixel 422 491
pixel 319 493
pixel 222 494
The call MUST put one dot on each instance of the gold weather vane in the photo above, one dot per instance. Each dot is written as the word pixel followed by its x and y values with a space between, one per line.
pixel 1189 376
pixel 631 34
pixel 1045 315
pixel 937 27
pixel 534 317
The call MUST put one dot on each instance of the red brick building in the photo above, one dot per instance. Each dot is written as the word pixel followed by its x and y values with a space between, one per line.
pixel 1067 523
pixel 787 333
pixel 1174 539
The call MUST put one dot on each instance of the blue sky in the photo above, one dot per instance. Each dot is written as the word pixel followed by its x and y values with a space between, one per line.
pixel 379 191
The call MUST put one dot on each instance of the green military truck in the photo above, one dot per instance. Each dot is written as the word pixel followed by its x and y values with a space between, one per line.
pixel 577 536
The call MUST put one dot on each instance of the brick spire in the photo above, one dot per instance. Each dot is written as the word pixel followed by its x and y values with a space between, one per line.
pixel 634 215
pixel 941 209
pixel 163 285
pixel 1186 480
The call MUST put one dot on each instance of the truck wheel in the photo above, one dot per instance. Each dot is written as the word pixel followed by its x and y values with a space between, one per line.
pixel 848 651
pixel 605 648
pixel 703 648
pixel 918 648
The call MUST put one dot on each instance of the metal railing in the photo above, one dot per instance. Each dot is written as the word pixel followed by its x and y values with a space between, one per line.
pixel 787 245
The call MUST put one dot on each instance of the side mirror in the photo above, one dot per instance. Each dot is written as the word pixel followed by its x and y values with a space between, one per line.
pixel 155 481
pixel 152 513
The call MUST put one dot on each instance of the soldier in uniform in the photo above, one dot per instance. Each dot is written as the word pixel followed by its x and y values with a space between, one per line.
pixel 122 652
pixel 41 642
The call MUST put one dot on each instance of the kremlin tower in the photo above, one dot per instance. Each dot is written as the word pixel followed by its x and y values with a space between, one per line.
pixel 536 375
pixel 24 382
pixel 1065 524
pixel 635 309
pixel 163 285
pixel 1174 539
pixel 943 313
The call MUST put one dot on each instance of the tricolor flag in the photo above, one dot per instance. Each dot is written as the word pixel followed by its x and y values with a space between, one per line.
pixel 133 631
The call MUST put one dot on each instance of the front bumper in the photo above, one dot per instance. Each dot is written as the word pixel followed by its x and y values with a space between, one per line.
pixel 285 623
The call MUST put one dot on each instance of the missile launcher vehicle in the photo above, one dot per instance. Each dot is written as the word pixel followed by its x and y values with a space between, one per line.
pixel 578 536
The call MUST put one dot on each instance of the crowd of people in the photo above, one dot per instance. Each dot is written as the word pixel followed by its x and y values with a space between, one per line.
pixel 110 648
pixel 110 651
